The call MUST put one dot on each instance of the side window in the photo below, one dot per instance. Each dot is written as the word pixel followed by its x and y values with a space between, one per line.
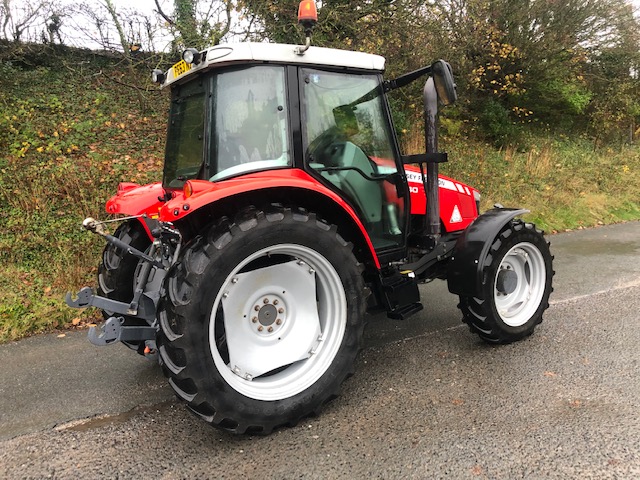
pixel 184 151
pixel 250 130
pixel 348 143
pixel 337 113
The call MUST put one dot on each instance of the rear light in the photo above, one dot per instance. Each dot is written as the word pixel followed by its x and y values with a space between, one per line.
pixel 187 189
pixel 191 56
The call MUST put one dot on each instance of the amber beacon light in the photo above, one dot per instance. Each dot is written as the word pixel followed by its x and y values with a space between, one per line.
pixel 307 14
pixel 307 17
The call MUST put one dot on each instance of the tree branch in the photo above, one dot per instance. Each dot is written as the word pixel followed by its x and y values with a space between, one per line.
pixel 164 15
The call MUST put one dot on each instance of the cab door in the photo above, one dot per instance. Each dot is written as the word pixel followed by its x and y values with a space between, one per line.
pixel 349 146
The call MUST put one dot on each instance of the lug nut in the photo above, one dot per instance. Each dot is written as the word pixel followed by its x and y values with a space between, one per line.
pixel 278 322
pixel 260 328
pixel 265 301
pixel 275 302
pixel 281 310
pixel 254 319
pixel 270 329
pixel 257 308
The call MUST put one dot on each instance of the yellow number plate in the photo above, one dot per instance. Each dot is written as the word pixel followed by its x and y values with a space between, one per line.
pixel 180 68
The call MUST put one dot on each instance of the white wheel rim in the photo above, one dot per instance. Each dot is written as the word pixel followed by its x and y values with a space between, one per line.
pixel 519 303
pixel 280 339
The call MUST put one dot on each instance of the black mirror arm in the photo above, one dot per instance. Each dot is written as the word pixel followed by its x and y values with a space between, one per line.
pixel 405 79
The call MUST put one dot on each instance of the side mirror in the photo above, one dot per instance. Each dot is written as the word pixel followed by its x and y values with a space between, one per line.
pixel 445 85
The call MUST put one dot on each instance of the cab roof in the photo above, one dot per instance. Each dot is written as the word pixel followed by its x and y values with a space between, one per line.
pixel 237 53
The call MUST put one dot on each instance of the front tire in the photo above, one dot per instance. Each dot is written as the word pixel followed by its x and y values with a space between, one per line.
pixel 262 320
pixel 517 282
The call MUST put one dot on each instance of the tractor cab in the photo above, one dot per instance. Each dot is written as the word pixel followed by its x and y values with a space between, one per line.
pixel 248 109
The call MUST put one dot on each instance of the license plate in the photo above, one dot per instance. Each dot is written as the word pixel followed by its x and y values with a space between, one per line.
pixel 180 68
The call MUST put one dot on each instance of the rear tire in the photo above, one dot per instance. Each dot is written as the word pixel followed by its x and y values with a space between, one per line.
pixel 261 320
pixel 516 285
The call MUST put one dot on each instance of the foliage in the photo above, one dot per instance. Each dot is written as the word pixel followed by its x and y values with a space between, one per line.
pixel 198 24
pixel 565 183
pixel 66 141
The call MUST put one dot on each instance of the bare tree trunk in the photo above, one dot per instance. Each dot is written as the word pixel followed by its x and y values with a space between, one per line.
pixel 126 47
pixel 6 7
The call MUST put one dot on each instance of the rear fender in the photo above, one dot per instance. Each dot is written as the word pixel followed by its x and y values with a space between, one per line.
pixel 207 194
pixel 132 199
pixel 464 275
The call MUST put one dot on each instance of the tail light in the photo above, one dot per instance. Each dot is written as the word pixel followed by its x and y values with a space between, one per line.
pixel 187 189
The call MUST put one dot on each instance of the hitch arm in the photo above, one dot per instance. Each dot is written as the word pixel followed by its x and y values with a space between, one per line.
pixel 86 298
pixel 133 251
pixel 96 227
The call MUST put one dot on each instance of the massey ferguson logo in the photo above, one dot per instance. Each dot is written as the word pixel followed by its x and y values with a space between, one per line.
pixel 414 177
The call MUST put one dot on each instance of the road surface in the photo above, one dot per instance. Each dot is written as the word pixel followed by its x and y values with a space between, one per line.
pixel 429 400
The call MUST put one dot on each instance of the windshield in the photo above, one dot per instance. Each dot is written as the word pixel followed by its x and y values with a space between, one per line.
pixel 248 126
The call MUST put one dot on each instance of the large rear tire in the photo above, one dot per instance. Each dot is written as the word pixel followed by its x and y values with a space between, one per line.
pixel 516 285
pixel 261 320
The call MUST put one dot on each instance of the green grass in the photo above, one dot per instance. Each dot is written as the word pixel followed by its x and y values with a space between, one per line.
pixel 67 140
pixel 565 183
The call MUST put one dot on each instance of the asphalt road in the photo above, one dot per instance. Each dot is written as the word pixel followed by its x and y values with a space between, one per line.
pixel 429 400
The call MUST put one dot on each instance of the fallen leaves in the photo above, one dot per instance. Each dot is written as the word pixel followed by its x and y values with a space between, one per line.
pixel 477 470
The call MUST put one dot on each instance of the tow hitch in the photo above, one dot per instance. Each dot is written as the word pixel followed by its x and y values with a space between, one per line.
pixel 145 297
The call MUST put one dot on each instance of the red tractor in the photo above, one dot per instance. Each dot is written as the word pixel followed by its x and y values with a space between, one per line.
pixel 286 212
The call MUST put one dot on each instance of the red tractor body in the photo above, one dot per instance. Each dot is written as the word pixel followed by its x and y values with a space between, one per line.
pixel 458 202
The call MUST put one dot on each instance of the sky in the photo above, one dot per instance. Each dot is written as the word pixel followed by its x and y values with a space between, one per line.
pixel 81 31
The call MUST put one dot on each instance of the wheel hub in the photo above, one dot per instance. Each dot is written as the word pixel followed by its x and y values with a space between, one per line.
pixel 520 283
pixel 271 317
pixel 268 315
pixel 507 281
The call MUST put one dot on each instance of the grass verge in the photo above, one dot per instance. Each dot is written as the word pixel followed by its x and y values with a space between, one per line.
pixel 565 183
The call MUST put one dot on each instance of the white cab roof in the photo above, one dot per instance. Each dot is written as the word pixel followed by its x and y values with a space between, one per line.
pixel 231 53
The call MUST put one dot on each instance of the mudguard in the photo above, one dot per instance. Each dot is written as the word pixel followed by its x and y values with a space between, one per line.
pixel 207 193
pixel 464 275
pixel 134 199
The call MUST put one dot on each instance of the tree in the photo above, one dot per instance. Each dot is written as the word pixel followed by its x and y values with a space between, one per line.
pixel 16 19
pixel 526 61
pixel 53 28
pixel 198 24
